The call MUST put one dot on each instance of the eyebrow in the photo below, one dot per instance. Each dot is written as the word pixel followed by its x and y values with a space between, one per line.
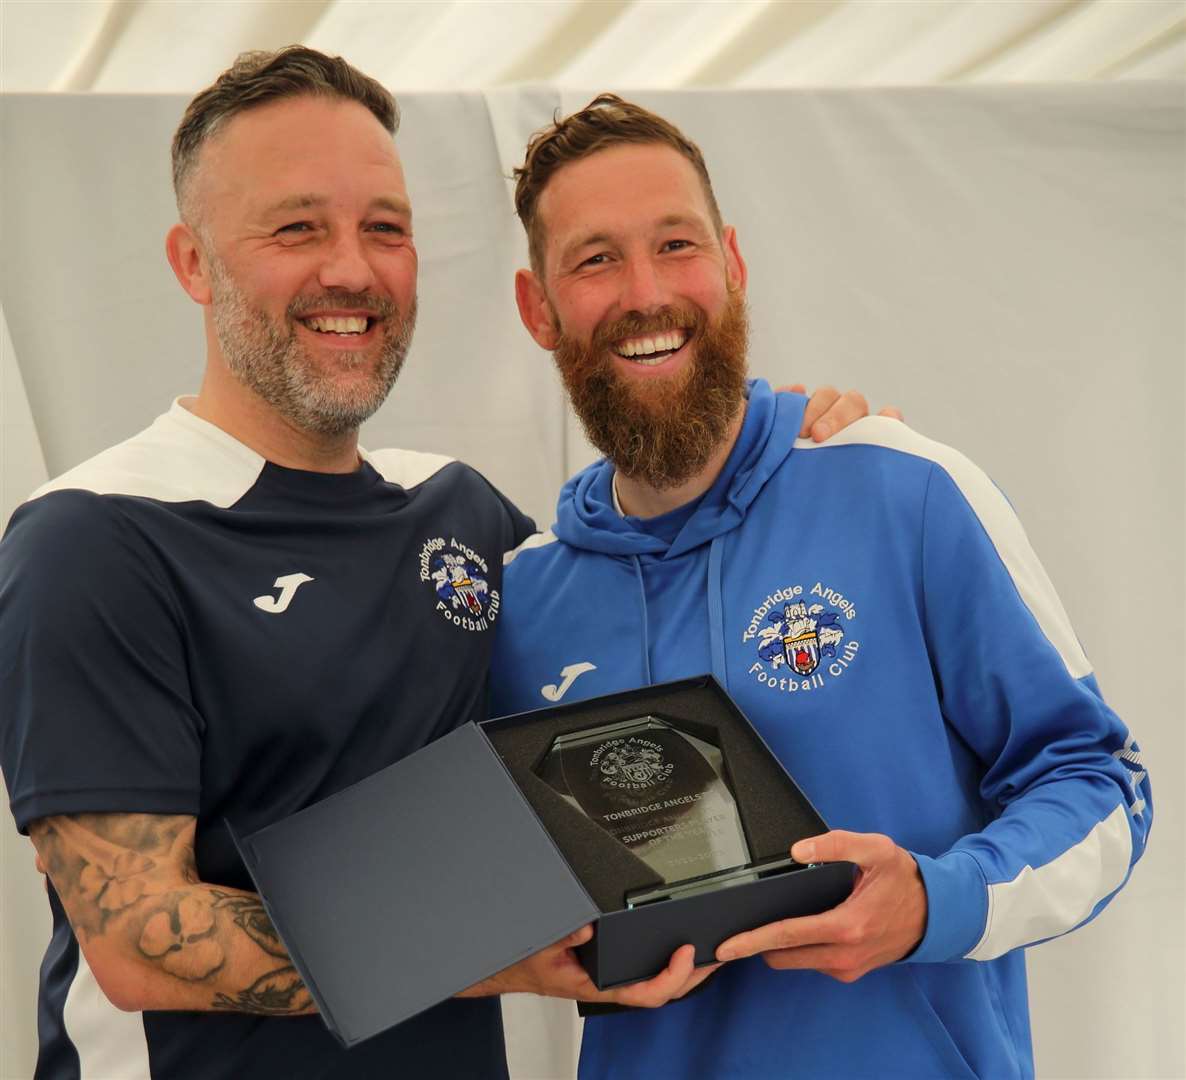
pixel 667 222
pixel 587 241
pixel 393 203
pixel 308 201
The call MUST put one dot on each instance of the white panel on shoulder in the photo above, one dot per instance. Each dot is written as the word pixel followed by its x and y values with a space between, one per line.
pixel 405 467
pixel 178 458
pixel 110 1042
pixel 1057 897
pixel 995 514
pixel 535 540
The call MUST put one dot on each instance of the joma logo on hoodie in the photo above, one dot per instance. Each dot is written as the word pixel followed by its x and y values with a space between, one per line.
pixel 568 675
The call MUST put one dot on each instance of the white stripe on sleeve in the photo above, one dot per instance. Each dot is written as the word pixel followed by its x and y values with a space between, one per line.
pixel 1057 897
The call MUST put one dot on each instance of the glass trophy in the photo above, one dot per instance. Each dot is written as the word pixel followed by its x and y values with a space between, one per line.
pixel 661 792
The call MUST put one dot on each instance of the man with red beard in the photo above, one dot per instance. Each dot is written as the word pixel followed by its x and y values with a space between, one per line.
pixel 224 616
pixel 873 606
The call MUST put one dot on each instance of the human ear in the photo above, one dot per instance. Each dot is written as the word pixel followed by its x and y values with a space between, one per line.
pixel 736 272
pixel 188 262
pixel 535 310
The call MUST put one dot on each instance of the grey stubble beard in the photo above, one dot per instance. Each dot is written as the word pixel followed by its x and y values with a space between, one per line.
pixel 276 366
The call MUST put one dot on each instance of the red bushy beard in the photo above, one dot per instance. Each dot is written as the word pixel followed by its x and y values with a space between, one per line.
pixel 661 431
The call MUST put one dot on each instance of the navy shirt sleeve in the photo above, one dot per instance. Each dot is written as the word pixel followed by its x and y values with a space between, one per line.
pixel 95 712
pixel 521 526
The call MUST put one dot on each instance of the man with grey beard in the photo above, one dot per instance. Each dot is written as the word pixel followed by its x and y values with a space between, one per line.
pixel 225 616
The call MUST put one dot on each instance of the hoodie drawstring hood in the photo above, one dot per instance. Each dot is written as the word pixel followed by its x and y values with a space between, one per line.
pixel 689 591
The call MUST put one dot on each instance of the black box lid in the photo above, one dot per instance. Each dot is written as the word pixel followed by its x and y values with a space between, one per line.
pixel 378 923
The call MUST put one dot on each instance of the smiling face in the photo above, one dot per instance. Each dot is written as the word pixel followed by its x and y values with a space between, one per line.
pixel 307 236
pixel 642 303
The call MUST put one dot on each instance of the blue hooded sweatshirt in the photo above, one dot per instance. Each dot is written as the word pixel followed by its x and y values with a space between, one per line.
pixel 874 607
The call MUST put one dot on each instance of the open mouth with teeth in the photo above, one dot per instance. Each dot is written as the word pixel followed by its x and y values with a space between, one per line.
pixel 341 325
pixel 650 350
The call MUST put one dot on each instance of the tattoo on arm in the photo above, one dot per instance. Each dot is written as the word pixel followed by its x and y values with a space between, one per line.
pixel 277 993
pixel 133 876
pixel 105 863
pixel 250 916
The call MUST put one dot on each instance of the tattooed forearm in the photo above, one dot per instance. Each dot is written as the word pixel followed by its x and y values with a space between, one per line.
pixel 143 906
pixel 193 933
pixel 277 993
pixel 249 914
pixel 182 936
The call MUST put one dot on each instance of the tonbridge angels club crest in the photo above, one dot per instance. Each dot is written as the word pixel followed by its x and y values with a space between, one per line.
pixel 633 763
pixel 802 652
pixel 798 635
pixel 458 583
pixel 460 578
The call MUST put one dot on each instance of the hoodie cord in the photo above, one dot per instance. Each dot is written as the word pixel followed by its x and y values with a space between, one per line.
pixel 646 635
pixel 716 618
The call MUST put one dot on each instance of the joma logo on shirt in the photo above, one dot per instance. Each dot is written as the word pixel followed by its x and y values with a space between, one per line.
pixel 288 585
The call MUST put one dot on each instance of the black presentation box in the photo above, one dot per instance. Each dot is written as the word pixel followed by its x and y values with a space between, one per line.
pixel 458 861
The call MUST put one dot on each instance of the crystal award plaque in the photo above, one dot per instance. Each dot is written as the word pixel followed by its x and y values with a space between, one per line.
pixel 661 792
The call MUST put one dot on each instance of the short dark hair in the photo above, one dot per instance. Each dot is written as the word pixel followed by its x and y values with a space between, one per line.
pixel 607 120
pixel 256 78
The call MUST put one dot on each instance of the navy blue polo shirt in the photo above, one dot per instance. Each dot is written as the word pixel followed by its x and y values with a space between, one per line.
pixel 187 628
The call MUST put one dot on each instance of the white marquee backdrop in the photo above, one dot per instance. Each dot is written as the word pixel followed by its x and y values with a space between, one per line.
pixel 1005 263
pixel 175 46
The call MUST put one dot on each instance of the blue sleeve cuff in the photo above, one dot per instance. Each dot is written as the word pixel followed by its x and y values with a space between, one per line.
pixel 957 907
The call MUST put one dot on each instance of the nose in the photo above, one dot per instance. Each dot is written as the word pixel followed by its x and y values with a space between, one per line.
pixel 642 288
pixel 346 266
